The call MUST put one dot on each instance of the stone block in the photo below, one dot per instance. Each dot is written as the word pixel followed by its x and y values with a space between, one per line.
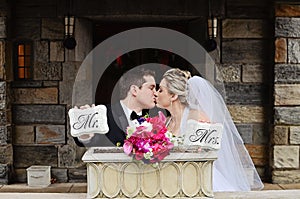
pixel 287 115
pixel 66 156
pixel 32 9
pixel 39 114
pixel 2 87
pixel 260 134
pixel 6 154
pixel 280 50
pixel 47 71
pixel 3 117
pixel 26 84
pixel 294 51
pixel 281 135
pixel 60 175
pixel 4 174
pixel 3 135
pixel 245 51
pixel 20 175
pixel 3 102
pixel 77 175
pixel 287 27
pixel 287 10
pixel 70 70
pixel 252 73
pixel 52 28
pixel 258 153
pixel 2 72
pixel 23 134
pixel 246 132
pixel 25 156
pixel 247 28
pixel 287 73
pixel 83 33
pixel 28 28
pixel 50 83
pixel 286 156
pixel 294 134
pixel 41 51
pixel 247 114
pixel 2 53
pixel 287 94
pixel 3 27
pixel 8 129
pixel 35 96
pixel 230 72
pixel 245 94
pixel 51 134
pixel 56 51
pixel 286 176
pixel 253 9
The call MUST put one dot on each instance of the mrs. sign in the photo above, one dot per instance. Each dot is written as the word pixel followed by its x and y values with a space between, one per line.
pixel 206 135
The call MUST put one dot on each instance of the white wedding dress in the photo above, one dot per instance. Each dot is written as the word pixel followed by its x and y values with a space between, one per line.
pixel 234 169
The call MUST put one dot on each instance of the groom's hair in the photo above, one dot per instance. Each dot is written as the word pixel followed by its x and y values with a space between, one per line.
pixel 133 77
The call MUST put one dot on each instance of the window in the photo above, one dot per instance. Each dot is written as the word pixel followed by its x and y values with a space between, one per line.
pixel 23 60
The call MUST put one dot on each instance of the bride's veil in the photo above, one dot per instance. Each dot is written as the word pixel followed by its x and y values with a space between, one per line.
pixel 234 162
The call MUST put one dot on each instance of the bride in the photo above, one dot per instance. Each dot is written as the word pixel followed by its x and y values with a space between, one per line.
pixel 194 98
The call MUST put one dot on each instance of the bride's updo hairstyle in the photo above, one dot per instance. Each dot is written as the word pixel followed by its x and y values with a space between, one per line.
pixel 177 83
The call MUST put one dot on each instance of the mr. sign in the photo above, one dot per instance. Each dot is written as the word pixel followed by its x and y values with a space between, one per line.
pixel 90 120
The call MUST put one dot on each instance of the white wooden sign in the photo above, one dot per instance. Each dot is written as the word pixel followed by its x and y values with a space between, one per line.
pixel 206 135
pixel 89 120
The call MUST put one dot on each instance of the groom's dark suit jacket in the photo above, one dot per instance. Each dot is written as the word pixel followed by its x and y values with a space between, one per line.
pixel 117 123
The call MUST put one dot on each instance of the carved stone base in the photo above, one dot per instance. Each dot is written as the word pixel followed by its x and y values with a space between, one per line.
pixel 112 174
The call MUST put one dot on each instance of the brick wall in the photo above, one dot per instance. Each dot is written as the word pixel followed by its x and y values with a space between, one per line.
pixel 286 136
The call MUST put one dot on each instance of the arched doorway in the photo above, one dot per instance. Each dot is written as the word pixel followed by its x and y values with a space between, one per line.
pixel 135 58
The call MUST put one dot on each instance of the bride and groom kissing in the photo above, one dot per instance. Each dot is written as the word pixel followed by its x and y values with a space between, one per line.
pixel 137 94
pixel 185 98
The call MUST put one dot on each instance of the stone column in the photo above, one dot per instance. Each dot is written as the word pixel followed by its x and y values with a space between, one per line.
pixel 6 151
pixel 286 136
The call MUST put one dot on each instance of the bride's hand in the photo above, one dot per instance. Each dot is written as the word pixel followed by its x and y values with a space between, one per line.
pixel 204 121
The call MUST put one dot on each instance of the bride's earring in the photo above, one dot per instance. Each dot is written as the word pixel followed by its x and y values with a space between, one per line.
pixel 171 102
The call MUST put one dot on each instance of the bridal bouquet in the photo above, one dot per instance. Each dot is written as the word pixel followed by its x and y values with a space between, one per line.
pixel 148 140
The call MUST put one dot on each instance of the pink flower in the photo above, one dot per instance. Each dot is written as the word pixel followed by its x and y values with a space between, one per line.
pixel 148 141
pixel 127 147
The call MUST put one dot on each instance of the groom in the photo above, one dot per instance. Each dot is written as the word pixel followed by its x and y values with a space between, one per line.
pixel 137 88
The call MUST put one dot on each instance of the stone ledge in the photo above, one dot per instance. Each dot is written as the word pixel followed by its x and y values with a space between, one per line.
pixel 53 188
pixel 113 174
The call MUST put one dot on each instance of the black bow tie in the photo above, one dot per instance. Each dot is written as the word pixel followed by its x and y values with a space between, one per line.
pixel 135 116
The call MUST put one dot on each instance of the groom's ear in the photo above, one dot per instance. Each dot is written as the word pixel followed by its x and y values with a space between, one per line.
pixel 133 90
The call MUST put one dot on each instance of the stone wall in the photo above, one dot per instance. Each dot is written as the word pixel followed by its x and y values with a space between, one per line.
pixel 245 56
pixel 286 136
pixel 39 106
pixel 6 147
pixel 246 63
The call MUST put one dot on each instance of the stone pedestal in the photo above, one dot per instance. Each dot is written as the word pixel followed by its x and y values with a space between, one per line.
pixel 184 173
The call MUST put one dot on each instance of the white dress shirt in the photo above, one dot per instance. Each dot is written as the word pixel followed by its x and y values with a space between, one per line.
pixel 128 112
